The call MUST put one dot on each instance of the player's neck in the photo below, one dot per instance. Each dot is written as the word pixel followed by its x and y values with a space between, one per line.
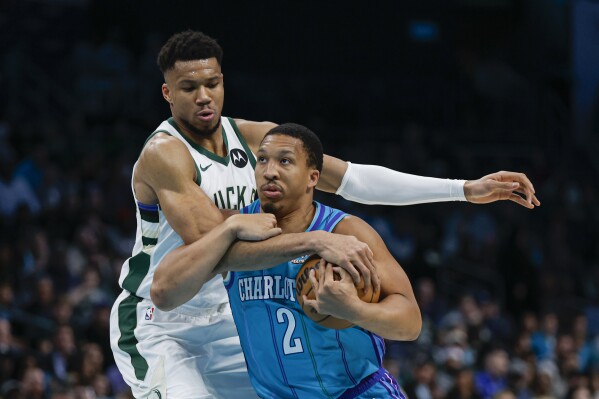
pixel 298 220
pixel 212 142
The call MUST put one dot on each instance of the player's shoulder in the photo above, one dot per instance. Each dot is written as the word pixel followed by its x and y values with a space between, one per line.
pixel 253 132
pixel 162 145
pixel 349 223
pixel 356 226
pixel 162 153
pixel 244 124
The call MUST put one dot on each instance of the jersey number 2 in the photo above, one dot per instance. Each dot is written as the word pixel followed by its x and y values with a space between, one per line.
pixel 288 347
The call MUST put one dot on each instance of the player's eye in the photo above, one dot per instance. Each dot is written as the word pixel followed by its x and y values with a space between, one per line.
pixel 285 161
pixel 261 159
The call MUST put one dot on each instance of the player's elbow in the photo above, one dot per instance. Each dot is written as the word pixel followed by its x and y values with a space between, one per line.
pixel 408 326
pixel 415 324
pixel 160 297
pixel 413 332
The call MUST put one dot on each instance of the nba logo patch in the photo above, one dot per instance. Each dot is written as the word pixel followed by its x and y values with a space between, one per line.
pixel 149 313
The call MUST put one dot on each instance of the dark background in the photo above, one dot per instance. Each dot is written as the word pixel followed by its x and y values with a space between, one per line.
pixel 451 88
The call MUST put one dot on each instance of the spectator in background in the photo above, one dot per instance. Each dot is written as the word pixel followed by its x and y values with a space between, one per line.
pixel 432 309
pixel 493 378
pixel 424 385
pixel 65 357
pixel 520 376
pixel 464 387
pixel 10 353
pixel 504 394
pixel 542 385
pixel 33 384
pixel 543 341
pixel 92 364
pixel 15 191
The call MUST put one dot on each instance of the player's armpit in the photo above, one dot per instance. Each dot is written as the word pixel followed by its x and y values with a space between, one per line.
pixel 167 167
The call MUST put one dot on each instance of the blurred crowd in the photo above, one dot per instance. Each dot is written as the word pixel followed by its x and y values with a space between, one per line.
pixel 509 296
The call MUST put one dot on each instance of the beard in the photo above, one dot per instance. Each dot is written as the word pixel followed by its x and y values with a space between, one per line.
pixel 201 133
pixel 269 207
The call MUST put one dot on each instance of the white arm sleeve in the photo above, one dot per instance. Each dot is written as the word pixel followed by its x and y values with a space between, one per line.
pixel 372 184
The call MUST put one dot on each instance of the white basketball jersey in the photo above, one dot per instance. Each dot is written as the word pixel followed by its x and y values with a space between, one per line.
pixel 228 181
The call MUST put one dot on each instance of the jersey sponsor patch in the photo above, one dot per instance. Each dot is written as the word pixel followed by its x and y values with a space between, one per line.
pixel 239 157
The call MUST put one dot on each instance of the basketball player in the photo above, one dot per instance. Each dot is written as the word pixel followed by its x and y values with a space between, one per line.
pixel 289 355
pixel 193 164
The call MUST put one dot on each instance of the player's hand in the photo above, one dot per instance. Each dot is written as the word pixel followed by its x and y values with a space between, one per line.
pixel 255 227
pixel 332 296
pixel 352 255
pixel 502 186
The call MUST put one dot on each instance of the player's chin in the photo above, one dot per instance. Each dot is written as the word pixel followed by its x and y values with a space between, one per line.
pixel 269 207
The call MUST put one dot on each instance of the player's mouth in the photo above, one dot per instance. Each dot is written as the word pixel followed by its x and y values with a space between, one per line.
pixel 272 191
pixel 206 115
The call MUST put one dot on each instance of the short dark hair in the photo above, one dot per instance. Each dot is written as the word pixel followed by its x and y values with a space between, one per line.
pixel 309 139
pixel 186 46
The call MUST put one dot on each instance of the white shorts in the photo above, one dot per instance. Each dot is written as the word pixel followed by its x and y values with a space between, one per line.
pixel 171 355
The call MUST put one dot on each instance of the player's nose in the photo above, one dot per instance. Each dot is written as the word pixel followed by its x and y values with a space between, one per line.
pixel 202 96
pixel 270 171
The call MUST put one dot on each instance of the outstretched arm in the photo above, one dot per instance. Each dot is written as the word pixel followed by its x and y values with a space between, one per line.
pixel 372 184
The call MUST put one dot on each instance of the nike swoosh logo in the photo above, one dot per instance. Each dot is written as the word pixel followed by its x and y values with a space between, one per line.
pixel 203 169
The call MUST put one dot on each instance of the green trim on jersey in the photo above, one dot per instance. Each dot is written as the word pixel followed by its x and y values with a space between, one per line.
pixel 149 216
pixel 148 241
pixel 202 150
pixel 128 342
pixel 138 269
pixel 243 142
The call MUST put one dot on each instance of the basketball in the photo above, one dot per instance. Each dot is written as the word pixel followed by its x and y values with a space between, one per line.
pixel 303 286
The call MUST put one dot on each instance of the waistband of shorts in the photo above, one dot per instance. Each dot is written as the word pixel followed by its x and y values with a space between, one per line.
pixel 364 385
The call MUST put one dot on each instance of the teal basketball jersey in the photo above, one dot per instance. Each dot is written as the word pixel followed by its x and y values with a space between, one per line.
pixel 288 355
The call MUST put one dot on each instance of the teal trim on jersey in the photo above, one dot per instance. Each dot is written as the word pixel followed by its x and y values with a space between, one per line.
pixel 148 241
pixel 202 150
pixel 138 269
pixel 243 143
pixel 318 377
pixel 127 341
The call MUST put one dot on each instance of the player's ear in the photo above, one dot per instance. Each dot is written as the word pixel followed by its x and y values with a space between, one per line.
pixel 313 178
pixel 166 93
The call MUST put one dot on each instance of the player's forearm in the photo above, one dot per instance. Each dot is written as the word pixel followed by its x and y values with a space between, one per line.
pixel 372 184
pixel 244 255
pixel 183 272
pixel 395 317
